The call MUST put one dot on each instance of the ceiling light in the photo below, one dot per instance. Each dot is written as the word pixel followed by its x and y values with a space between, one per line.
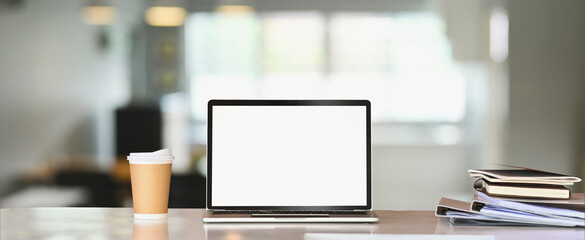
pixel 165 16
pixel 99 15
pixel 234 9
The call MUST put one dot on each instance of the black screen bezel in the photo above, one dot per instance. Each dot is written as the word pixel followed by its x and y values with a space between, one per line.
pixel 238 102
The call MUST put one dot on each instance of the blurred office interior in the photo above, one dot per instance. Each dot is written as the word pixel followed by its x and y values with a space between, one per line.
pixel 454 84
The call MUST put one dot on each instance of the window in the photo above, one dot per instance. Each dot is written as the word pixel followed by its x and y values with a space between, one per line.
pixel 401 62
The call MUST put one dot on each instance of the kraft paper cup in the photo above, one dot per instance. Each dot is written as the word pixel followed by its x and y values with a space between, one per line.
pixel 150 176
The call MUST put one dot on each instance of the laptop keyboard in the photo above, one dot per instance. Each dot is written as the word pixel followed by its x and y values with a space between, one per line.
pixel 284 212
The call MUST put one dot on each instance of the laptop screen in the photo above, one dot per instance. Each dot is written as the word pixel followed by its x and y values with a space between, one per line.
pixel 288 153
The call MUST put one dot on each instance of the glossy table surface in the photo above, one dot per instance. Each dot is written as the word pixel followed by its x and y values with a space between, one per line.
pixel 118 223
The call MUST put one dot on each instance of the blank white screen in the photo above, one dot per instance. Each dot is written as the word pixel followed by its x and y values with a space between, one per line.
pixel 289 156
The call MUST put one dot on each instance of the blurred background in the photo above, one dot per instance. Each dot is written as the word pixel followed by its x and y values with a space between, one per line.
pixel 454 84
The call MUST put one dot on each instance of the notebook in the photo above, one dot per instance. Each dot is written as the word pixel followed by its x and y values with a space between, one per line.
pixel 289 161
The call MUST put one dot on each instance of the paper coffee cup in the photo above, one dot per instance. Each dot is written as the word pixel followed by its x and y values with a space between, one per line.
pixel 150 176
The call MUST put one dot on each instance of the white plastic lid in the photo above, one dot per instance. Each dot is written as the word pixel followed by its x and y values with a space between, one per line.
pixel 163 156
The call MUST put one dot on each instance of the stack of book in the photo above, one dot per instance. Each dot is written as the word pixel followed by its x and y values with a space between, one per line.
pixel 518 197
pixel 523 183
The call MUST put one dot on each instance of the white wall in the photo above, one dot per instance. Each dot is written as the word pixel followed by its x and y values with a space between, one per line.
pixel 547 85
pixel 545 125
pixel 416 177
pixel 58 88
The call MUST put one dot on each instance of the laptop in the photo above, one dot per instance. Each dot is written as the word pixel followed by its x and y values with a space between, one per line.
pixel 289 161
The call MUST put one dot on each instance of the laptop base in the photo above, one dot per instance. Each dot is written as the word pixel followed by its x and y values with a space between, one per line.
pixel 211 217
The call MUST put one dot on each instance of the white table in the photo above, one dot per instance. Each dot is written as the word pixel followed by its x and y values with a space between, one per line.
pixel 118 223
